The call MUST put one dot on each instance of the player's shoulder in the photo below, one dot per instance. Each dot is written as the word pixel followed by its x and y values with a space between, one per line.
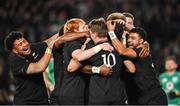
pixel 178 73
pixel 137 50
pixel 71 43
pixel 14 58
pixel 164 74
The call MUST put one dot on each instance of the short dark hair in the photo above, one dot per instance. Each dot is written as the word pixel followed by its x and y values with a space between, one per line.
pixel 11 37
pixel 171 58
pixel 142 33
pixel 127 14
pixel 99 26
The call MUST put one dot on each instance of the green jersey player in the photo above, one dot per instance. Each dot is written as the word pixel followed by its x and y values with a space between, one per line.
pixel 170 81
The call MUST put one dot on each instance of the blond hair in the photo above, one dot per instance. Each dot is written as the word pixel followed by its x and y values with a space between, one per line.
pixel 115 16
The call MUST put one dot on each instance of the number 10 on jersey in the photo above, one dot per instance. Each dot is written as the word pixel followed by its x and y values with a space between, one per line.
pixel 109 59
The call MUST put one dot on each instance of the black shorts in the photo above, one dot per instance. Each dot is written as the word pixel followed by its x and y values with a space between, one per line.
pixel 153 97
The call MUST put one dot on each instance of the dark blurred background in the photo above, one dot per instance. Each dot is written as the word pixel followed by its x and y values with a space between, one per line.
pixel 39 19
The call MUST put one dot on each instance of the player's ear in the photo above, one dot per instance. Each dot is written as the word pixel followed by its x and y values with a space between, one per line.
pixel 176 66
pixel 141 41
pixel 93 34
pixel 14 50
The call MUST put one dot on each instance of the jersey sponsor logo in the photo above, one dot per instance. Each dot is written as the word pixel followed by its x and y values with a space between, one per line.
pixel 169 85
pixel 107 59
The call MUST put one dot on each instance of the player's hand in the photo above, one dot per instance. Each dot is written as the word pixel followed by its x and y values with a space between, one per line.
pixel 105 71
pixel 111 25
pixel 51 43
pixel 107 47
pixel 145 50
pixel 125 33
pixel 87 34
pixel 120 21
pixel 55 36
pixel 51 88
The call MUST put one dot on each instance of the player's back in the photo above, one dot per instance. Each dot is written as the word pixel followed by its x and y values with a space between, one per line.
pixel 110 89
pixel 73 85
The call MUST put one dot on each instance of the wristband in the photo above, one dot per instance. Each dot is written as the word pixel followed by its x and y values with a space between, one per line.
pixel 48 50
pixel 95 69
pixel 97 48
pixel 112 35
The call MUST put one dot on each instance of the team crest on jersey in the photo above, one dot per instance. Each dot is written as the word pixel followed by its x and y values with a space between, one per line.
pixel 169 85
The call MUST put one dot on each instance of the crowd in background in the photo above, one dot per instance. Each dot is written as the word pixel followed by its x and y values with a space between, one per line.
pixel 39 19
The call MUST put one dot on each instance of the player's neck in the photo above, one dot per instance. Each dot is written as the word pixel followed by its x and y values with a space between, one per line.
pixel 171 72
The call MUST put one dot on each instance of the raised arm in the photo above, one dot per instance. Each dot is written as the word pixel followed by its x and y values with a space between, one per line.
pixel 71 36
pixel 120 48
pixel 41 65
pixel 53 37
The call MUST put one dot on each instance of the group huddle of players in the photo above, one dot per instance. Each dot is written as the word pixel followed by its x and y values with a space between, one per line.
pixel 104 62
pixel 110 66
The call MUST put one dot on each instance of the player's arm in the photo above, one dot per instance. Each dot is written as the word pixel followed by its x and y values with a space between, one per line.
pixel 71 36
pixel 73 65
pixel 123 39
pixel 130 66
pixel 41 65
pixel 81 55
pixel 145 50
pixel 103 70
pixel 53 37
pixel 48 84
pixel 120 48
